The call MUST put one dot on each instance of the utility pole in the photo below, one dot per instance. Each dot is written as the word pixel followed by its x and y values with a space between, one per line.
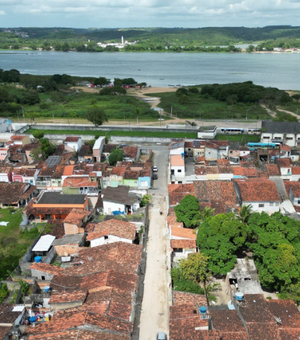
pixel 171 111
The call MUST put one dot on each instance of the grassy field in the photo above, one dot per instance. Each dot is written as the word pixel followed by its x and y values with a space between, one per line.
pixel 199 107
pixel 73 103
pixel 243 139
pixel 158 134
pixel 13 242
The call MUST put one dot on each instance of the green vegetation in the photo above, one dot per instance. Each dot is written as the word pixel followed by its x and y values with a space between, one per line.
pixel 198 106
pixel 54 96
pixel 188 211
pixel 274 241
pixel 4 292
pixel 158 134
pixel 115 156
pixel 206 39
pixel 13 242
pixel 226 101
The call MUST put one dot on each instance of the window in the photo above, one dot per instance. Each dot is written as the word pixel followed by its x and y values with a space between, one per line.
pixel 271 204
pixel 277 204
pixel 261 205
pixel 179 170
pixel 105 237
pixel 178 250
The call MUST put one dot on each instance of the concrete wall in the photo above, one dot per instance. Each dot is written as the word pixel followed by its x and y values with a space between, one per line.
pixel 111 239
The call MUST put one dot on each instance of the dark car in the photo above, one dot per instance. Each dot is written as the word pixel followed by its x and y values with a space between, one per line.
pixel 154 176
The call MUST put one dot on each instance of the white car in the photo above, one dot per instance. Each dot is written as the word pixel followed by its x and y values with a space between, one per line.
pixel 155 169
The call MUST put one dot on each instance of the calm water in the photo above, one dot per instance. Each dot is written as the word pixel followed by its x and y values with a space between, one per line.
pixel 164 69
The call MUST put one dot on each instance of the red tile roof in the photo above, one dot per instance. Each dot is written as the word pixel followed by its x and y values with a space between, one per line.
pixel 68 170
pixel 272 170
pixel 130 151
pixel 118 171
pixel 183 233
pixel 67 297
pixel 258 190
pixel 47 268
pixel 296 170
pixel 17 137
pixel 76 216
pixel 184 244
pixel 181 298
pixel 79 334
pixel 114 227
pixel 284 162
pixel 76 182
pixel 72 139
pixel 178 191
pixel 287 311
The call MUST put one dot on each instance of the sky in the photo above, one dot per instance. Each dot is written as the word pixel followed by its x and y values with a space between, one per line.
pixel 148 13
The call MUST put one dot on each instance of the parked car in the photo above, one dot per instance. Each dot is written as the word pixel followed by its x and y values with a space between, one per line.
pixel 161 336
pixel 154 176
pixel 155 169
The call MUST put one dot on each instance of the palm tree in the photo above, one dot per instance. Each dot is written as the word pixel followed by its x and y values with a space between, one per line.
pixel 204 214
pixel 245 213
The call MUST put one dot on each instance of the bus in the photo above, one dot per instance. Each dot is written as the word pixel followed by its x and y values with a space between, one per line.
pixel 253 131
pixel 232 131
pixel 255 146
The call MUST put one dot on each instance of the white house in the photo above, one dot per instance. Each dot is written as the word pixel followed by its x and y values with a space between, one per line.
pixel 177 167
pixel 110 231
pixel 182 242
pixel 119 201
pixel 98 148
pixel 74 143
pixel 285 132
pixel 260 193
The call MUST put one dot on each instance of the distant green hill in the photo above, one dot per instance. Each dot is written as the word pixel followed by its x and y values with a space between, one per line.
pixel 147 37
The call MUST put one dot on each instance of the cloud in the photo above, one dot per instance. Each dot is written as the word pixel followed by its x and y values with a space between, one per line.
pixel 132 13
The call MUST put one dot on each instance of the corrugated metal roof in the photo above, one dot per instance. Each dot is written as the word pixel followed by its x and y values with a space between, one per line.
pixel 44 243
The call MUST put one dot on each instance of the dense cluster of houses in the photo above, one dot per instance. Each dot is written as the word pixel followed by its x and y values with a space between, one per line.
pixel 94 288
pixel 226 176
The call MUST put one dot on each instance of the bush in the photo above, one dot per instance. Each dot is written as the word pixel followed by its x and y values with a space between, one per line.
pixel 3 292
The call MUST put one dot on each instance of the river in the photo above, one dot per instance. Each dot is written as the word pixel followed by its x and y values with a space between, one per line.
pixel 279 70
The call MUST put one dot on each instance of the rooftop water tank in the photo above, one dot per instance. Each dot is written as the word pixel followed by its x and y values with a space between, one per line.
pixel 239 296
pixel 203 309
pixel 38 259
pixel 47 289
pixel 32 319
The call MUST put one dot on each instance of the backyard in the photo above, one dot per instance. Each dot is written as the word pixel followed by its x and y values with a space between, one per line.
pixel 13 242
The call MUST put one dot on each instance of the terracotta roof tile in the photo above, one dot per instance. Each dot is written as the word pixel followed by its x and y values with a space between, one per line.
pixel 181 298
pixel 114 227
pixel 226 321
pixel 257 310
pixel 72 139
pixel 289 334
pixel 272 170
pixel 296 170
pixel 294 186
pixel 258 190
pixel 67 297
pixel 285 148
pixel 79 334
pixel 76 182
pixel 130 151
pixel 178 191
pixel 266 331
pixel 47 268
pixel 287 311
pixel 284 162
pixel 117 256
pixel 118 171
pixel 68 170
pixel 183 233
pixel 17 137
pixel 183 244
pixel 128 174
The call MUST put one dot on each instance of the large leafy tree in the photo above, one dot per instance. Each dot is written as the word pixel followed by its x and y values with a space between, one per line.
pixel 96 115
pixel 115 156
pixel 188 211
pixel 219 237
